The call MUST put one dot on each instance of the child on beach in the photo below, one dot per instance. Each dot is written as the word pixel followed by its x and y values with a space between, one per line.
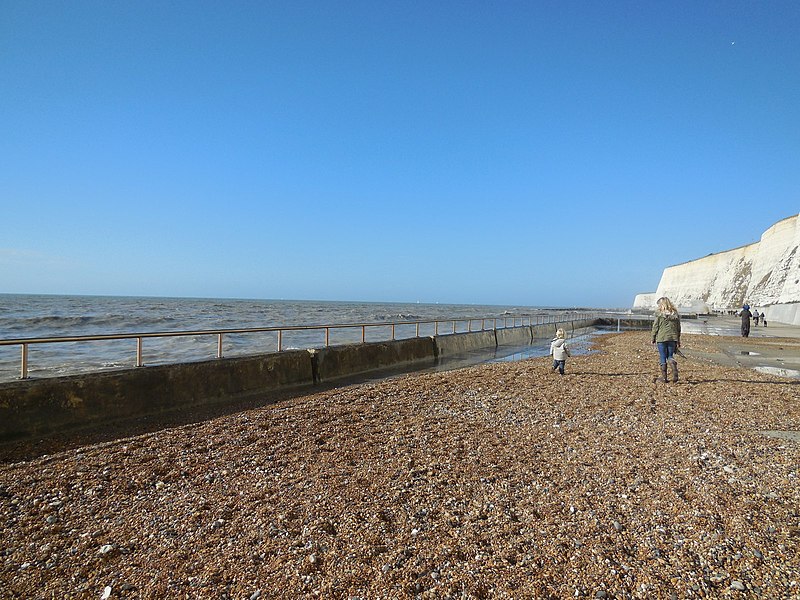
pixel 559 351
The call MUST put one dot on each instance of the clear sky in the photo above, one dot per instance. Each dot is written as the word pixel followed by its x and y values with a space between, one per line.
pixel 532 153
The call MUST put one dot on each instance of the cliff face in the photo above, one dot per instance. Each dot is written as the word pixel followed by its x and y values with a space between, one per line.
pixel 765 275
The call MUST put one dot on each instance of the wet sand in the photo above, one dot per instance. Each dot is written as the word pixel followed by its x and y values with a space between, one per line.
pixel 495 481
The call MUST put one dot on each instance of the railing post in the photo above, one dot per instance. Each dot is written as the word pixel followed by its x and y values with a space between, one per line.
pixel 454 326
pixel 219 345
pixel 436 328
pixel 24 369
pixel 327 336
pixel 495 323
pixel 417 328
pixel 392 331
pixel 280 340
pixel 363 333
pixel 138 352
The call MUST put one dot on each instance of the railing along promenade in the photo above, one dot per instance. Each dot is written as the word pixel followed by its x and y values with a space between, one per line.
pixel 525 320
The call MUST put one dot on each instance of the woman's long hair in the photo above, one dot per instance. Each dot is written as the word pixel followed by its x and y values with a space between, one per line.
pixel 666 307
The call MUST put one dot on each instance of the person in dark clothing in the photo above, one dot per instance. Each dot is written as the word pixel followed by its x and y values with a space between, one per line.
pixel 745 314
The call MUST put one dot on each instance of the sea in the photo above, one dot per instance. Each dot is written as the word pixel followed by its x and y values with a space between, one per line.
pixel 24 316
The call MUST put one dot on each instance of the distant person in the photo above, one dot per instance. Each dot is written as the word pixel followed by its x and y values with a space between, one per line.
pixel 764 318
pixel 755 316
pixel 559 351
pixel 746 315
pixel 666 334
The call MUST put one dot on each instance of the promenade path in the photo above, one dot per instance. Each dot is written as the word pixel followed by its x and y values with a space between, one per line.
pixel 772 349
pixel 500 480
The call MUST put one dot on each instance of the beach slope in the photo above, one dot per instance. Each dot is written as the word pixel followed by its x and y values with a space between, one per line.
pixel 502 480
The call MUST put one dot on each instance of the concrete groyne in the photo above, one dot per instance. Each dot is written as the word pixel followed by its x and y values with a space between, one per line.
pixel 34 407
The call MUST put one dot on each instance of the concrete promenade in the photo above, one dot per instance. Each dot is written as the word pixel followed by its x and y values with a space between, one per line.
pixel 774 349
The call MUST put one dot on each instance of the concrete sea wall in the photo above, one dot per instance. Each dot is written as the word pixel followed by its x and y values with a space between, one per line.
pixel 459 343
pixel 335 362
pixel 34 407
pixel 765 275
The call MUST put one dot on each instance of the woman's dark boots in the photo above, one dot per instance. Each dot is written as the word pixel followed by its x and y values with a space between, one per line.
pixel 674 364
pixel 664 373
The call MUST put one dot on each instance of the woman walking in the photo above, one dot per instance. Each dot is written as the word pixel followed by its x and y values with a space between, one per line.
pixel 666 334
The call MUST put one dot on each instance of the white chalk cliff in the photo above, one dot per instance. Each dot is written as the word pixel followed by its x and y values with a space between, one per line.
pixel 765 275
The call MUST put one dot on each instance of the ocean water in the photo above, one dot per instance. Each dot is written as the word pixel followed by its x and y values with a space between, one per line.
pixel 35 316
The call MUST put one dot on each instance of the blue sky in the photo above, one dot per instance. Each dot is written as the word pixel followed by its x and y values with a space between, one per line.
pixel 531 153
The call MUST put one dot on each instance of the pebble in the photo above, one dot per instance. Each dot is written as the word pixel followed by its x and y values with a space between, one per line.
pixel 738 586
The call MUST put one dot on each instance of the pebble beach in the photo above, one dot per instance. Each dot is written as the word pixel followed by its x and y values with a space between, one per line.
pixel 501 480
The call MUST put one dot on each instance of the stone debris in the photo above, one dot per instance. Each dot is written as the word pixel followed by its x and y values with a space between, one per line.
pixel 494 481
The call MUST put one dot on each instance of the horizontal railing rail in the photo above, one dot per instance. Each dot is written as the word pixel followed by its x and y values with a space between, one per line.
pixel 515 320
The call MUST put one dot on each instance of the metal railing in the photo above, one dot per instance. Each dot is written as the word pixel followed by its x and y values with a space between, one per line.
pixel 516 321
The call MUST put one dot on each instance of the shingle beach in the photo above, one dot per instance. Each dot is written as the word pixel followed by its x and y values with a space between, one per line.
pixel 502 480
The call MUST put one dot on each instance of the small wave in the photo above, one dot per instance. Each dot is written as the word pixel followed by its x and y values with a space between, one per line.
pixel 399 317
pixel 56 321
pixel 85 324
